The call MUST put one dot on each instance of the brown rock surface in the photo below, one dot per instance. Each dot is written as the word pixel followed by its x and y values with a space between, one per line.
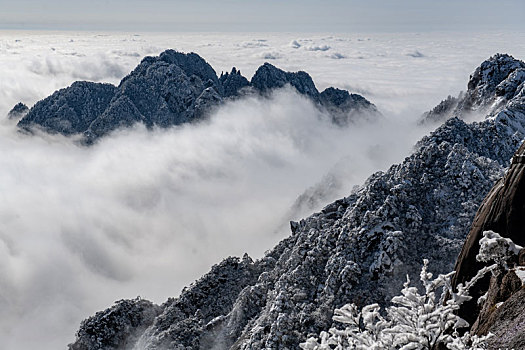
pixel 502 287
pixel 507 323
pixel 502 211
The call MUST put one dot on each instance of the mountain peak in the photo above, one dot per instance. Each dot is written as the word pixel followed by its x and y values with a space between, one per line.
pixel 269 77
pixel 170 89
pixel 343 106
pixel 483 82
pixel 18 111
pixel 494 82
pixel 233 82
pixel 494 70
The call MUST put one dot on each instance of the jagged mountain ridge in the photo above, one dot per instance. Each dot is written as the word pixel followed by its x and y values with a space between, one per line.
pixel 492 84
pixel 172 89
pixel 357 249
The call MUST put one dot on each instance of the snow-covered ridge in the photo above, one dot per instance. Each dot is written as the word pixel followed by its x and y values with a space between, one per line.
pixel 494 83
pixel 357 249
pixel 172 89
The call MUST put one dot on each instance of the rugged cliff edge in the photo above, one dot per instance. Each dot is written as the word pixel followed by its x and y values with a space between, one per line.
pixel 503 312
pixel 357 249
pixel 172 89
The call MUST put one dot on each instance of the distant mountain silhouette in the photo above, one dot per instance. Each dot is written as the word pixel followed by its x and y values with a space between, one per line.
pixel 172 89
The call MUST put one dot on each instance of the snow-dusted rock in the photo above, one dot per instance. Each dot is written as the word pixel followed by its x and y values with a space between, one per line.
pixel 268 77
pixel 18 111
pixel 171 89
pixel 165 89
pixel 442 111
pixel 233 82
pixel 120 113
pixel 345 107
pixel 116 327
pixel 483 84
pixel 356 250
pixel 494 83
pixel 71 110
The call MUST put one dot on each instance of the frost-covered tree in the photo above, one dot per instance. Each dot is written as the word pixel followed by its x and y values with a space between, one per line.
pixel 495 248
pixel 417 319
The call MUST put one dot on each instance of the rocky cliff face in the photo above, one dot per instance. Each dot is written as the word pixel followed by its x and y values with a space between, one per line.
pixel 502 211
pixel 357 249
pixel 172 89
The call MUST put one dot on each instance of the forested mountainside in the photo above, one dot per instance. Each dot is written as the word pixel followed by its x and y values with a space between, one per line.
pixel 357 249
pixel 172 89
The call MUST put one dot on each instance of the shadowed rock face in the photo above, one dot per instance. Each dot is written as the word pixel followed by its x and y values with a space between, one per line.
pixel 268 77
pixel 18 111
pixel 502 211
pixel 71 110
pixel 117 327
pixel 171 89
pixel 233 82
pixel 344 107
pixel 357 249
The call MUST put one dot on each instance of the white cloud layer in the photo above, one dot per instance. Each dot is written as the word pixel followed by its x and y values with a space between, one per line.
pixel 146 213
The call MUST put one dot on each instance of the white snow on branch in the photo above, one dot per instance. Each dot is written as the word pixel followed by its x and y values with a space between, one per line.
pixel 417 320
pixel 495 248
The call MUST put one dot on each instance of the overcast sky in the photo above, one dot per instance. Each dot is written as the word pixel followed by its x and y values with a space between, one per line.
pixel 264 15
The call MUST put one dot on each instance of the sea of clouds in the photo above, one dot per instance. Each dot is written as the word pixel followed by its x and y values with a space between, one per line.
pixel 148 212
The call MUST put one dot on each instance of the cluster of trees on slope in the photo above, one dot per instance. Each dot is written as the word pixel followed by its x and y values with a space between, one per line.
pixel 418 320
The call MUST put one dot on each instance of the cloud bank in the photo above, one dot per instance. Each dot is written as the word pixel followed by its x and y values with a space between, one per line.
pixel 147 212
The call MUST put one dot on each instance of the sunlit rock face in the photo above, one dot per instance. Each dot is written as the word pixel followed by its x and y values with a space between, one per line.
pixel 172 89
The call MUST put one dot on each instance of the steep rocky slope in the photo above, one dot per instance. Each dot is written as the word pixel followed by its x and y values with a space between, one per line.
pixel 491 86
pixel 172 89
pixel 357 249
pixel 71 110
pixel 502 211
